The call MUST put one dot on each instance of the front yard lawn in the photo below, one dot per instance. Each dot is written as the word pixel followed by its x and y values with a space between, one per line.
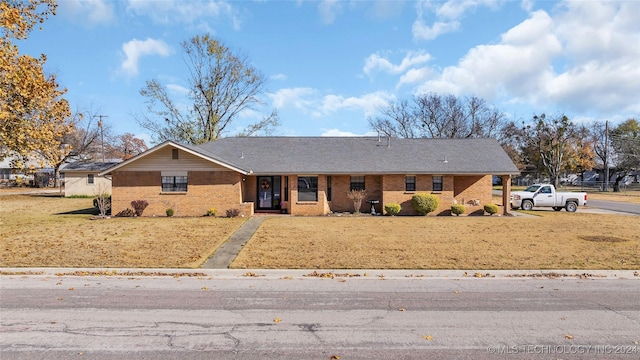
pixel 49 231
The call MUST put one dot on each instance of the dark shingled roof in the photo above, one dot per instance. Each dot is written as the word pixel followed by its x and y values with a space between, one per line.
pixel 85 166
pixel 360 155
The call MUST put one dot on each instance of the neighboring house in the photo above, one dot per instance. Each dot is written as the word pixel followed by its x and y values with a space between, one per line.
pixel 82 178
pixel 309 175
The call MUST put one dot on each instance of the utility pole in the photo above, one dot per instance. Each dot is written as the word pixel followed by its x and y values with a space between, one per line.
pixel 606 156
pixel 101 133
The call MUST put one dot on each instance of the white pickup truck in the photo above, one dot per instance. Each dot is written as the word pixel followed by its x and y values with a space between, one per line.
pixel 545 195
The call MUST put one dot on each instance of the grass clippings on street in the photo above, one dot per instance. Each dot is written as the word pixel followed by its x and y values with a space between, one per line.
pixel 552 240
pixel 50 231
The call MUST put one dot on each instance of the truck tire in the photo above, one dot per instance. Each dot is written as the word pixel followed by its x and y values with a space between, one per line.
pixel 527 205
pixel 571 206
pixel 557 208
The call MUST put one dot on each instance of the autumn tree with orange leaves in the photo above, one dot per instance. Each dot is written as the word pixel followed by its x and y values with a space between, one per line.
pixel 34 118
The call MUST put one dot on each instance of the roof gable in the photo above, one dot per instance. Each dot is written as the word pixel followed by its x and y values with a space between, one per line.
pixel 198 153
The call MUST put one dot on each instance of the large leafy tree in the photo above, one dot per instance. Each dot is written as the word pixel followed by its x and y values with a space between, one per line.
pixel 221 86
pixel 439 116
pixel 34 118
pixel 554 145
pixel 124 146
pixel 625 140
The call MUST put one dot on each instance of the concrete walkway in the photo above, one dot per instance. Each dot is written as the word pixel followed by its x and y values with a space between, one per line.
pixel 224 255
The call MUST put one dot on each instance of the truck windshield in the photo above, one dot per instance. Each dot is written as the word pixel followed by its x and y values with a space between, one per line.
pixel 532 188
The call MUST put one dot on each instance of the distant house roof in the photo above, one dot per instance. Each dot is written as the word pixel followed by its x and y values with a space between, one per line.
pixel 361 155
pixel 85 166
pixel 350 155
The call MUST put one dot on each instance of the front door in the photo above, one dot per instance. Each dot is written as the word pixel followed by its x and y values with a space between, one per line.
pixel 268 193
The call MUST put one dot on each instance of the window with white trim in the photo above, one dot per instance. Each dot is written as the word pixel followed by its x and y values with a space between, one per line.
pixel 90 179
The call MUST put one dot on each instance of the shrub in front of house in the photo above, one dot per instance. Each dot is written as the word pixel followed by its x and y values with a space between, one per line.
pixel 357 196
pixel 139 206
pixel 491 209
pixel 212 212
pixel 169 212
pixel 457 209
pixel 126 213
pixel 392 209
pixel 424 203
pixel 231 213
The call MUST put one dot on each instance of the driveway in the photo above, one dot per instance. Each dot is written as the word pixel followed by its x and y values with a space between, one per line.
pixel 615 206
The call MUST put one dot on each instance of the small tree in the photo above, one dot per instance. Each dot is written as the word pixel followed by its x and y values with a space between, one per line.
pixel 424 203
pixel 103 199
pixel 139 206
pixel 357 196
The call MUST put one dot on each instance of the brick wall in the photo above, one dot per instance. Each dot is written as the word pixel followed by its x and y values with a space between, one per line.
pixel 319 207
pixel 221 190
pixel 461 188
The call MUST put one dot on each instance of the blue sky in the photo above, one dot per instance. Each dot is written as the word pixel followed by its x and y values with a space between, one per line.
pixel 330 64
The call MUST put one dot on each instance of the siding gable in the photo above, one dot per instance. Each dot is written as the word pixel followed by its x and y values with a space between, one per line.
pixel 163 160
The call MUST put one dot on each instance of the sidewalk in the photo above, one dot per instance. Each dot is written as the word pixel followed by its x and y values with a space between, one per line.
pixel 224 255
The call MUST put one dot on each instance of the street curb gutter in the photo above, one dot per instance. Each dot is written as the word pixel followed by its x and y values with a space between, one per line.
pixel 374 274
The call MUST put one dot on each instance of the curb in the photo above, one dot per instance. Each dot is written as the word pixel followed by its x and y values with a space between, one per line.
pixel 288 274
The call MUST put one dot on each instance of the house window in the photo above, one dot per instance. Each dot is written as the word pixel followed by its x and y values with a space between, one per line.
pixel 174 154
pixel 328 188
pixel 174 184
pixel 410 183
pixel 307 188
pixel 437 183
pixel 286 188
pixel 357 183
pixel 90 179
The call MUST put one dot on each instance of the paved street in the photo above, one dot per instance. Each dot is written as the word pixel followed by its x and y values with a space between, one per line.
pixel 284 314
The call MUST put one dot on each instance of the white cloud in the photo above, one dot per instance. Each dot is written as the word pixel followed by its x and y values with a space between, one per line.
pixel 328 10
pixel 178 89
pixel 172 11
pixel 425 32
pixel 295 97
pixel 584 57
pixel 447 16
pixel 341 133
pixel 412 58
pixel 414 76
pixel 279 77
pixel 135 49
pixel 310 102
pixel 89 12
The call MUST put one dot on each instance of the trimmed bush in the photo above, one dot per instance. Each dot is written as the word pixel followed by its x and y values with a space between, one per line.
pixel 212 212
pixel 458 209
pixel 392 209
pixel 424 203
pixel 491 209
pixel 169 212
pixel 231 213
pixel 139 206
pixel 126 213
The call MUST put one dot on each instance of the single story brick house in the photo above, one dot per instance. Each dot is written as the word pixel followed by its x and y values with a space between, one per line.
pixel 309 175
pixel 82 178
